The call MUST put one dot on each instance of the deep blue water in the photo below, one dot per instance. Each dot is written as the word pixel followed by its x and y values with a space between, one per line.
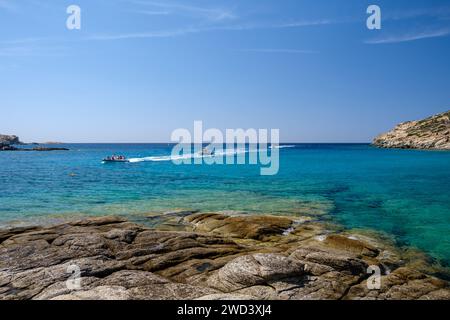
pixel 404 193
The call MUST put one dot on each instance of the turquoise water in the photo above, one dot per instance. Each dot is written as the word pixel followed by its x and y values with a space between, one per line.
pixel 401 192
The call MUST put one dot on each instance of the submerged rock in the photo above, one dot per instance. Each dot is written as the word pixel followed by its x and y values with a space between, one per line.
pixel 216 257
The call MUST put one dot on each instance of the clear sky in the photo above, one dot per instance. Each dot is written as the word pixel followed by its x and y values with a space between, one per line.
pixel 138 69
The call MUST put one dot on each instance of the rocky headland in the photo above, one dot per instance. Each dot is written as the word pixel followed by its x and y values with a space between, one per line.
pixel 12 148
pixel 429 133
pixel 207 256
pixel 9 142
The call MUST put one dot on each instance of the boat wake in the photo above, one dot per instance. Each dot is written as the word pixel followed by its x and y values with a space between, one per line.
pixel 283 146
pixel 188 156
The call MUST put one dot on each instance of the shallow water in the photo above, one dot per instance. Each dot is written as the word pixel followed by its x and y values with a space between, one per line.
pixel 404 193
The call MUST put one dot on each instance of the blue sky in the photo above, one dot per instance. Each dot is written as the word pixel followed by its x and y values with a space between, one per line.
pixel 139 69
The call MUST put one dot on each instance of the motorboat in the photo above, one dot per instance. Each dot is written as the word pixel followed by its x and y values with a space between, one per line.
pixel 206 152
pixel 115 158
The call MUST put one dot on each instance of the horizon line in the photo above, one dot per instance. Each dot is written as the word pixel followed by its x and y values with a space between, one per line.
pixel 188 143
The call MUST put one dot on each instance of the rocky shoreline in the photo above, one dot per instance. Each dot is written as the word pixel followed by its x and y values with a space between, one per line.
pixel 9 143
pixel 206 256
pixel 430 133
pixel 12 148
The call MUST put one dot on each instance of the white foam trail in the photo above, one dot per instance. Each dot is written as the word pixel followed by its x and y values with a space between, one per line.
pixel 187 156
pixel 283 146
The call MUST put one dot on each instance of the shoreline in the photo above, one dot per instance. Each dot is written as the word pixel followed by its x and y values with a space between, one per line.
pixel 165 219
pixel 172 220
pixel 37 149
pixel 210 256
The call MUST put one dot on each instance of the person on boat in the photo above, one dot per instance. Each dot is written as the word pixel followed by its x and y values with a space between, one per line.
pixel 206 152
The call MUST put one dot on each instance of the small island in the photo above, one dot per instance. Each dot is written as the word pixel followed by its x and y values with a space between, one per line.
pixel 10 143
pixel 430 133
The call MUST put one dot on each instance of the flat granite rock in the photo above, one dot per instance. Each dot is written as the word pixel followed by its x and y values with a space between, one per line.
pixel 217 257
pixel 245 227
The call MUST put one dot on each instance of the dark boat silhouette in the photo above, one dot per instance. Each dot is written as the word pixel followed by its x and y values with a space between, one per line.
pixel 206 152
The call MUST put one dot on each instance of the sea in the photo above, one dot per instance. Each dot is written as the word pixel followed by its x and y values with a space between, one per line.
pixel 404 194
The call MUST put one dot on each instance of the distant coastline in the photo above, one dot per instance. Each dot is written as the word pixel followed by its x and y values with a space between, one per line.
pixel 10 143
pixel 12 148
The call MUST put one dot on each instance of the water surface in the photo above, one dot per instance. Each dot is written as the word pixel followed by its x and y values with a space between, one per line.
pixel 404 193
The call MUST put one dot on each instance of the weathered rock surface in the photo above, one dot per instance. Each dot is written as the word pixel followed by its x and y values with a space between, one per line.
pixel 430 133
pixel 245 227
pixel 216 257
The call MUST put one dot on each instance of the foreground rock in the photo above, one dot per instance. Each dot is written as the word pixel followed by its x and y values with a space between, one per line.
pixel 430 133
pixel 244 227
pixel 218 257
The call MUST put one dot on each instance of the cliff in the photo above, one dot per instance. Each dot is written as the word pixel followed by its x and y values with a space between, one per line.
pixel 429 133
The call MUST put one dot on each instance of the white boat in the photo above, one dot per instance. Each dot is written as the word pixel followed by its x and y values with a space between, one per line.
pixel 115 159
pixel 206 152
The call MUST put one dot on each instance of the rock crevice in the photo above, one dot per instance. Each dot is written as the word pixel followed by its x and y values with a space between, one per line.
pixel 241 259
